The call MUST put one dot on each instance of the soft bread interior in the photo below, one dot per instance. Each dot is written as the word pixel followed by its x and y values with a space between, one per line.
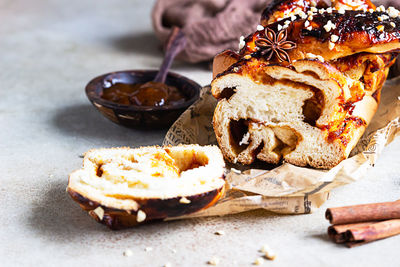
pixel 274 117
pixel 116 177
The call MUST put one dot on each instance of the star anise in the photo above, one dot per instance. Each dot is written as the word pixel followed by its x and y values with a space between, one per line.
pixel 275 44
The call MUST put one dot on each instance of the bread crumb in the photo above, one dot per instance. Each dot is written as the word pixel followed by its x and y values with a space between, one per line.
pixel 141 216
pixel 220 232
pixel 184 200
pixel 99 212
pixel 268 253
pixel 214 261
pixel 245 139
pixel 259 261
pixel 147 249
pixel 128 253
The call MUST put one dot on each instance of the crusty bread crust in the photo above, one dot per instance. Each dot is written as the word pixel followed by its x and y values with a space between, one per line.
pixel 158 182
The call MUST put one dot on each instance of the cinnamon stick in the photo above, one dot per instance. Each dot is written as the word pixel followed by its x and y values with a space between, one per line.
pixel 338 232
pixel 364 213
pixel 367 233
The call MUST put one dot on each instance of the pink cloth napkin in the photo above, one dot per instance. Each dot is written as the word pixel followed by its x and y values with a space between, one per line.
pixel 212 26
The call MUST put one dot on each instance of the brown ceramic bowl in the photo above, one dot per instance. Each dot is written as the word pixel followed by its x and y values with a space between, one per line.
pixel 136 116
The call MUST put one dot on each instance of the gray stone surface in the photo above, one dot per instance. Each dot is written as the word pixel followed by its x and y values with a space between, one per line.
pixel 49 51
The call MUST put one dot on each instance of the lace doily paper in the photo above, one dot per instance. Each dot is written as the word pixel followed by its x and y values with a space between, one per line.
pixel 286 188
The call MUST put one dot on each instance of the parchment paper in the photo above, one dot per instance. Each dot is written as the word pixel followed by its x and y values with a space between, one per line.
pixel 286 188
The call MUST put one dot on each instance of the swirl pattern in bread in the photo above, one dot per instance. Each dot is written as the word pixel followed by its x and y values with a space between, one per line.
pixel 312 110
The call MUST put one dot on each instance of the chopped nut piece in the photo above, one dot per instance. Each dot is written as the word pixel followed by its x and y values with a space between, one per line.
pixel 322 11
pixel 383 17
pixel 214 261
pixel 393 12
pixel 341 10
pixel 310 17
pixel 334 38
pixel 329 26
pixel 184 200
pixel 247 57
pixel 309 28
pixel 260 27
pixel 147 249
pixel 329 10
pixel 306 24
pixel 259 261
pixel 141 216
pixel 313 3
pixel 381 28
pixel 219 232
pixel 279 27
pixel 128 253
pixel 99 212
pixel 393 24
pixel 242 43
pixel 331 45
pixel 302 15
pixel 381 8
pixel 314 9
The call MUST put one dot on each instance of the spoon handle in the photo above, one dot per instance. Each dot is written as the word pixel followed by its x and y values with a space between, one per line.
pixel 176 43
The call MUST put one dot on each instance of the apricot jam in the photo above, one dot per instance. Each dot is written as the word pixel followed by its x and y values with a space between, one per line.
pixel 150 94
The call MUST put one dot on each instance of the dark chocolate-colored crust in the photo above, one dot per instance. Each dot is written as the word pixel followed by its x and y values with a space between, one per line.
pixel 155 209
pixel 353 25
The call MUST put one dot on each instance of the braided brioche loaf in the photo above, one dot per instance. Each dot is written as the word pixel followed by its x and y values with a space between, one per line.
pixel 300 94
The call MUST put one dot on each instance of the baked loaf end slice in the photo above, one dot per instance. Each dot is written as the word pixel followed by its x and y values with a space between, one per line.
pixel 122 187
pixel 299 114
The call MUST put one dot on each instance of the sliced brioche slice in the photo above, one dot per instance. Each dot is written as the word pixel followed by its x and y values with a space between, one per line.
pixel 131 185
